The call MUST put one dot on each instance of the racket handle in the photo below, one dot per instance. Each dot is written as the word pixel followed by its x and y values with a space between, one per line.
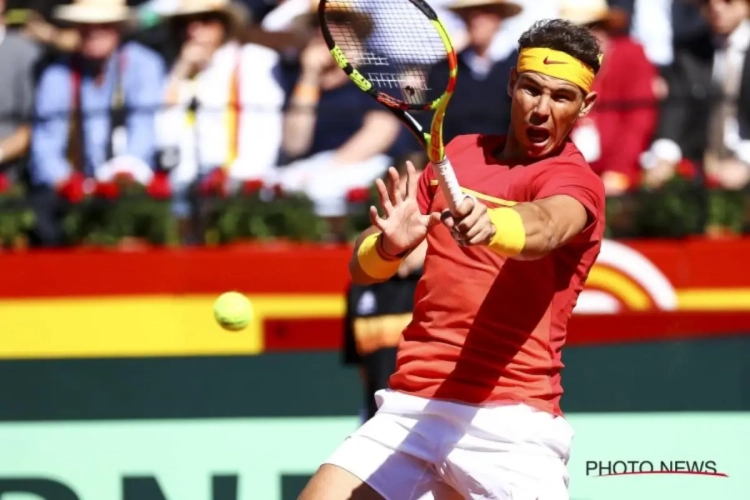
pixel 449 184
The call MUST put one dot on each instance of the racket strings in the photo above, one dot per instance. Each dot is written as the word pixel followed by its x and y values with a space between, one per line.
pixel 392 43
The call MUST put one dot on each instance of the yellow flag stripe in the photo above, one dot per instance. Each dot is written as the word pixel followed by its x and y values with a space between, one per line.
pixel 143 326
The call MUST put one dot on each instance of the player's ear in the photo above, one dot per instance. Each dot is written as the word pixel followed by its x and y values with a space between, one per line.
pixel 512 81
pixel 588 103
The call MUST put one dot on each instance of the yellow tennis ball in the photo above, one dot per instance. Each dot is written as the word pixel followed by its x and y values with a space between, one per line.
pixel 233 311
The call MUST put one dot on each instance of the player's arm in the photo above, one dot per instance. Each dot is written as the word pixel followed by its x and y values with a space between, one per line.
pixel 540 226
pixel 569 199
pixel 408 219
pixel 358 275
pixel 567 202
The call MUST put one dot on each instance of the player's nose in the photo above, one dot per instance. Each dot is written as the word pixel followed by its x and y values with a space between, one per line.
pixel 541 112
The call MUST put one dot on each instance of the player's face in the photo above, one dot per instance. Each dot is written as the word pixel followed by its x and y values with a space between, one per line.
pixel 544 110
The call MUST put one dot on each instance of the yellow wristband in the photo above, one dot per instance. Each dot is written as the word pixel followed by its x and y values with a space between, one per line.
pixel 510 235
pixel 372 260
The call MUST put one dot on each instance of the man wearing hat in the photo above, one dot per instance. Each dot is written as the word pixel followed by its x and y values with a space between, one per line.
pixel 337 135
pixel 223 98
pixel 619 129
pixel 95 110
pixel 477 105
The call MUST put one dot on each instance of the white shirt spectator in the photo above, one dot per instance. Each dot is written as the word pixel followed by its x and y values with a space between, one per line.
pixel 208 142
pixel 731 52
pixel 652 27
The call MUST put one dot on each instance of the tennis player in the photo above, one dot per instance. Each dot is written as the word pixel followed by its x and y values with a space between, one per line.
pixel 473 410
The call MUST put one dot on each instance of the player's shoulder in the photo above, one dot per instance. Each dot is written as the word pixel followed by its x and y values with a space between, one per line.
pixel 571 166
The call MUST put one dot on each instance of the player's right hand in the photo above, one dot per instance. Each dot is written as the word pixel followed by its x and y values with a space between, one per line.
pixel 403 225
pixel 470 225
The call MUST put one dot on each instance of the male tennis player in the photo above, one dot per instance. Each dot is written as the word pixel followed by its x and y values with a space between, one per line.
pixel 473 410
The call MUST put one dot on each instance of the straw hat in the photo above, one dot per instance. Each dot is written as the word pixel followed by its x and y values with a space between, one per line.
pixel 338 11
pixel 237 15
pixel 585 12
pixel 94 12
pixel 502 8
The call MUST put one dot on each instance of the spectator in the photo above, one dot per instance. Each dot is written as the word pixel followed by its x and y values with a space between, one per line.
pixel 652 27
pixel 505 41
pixel 480 103
pixel 715 85
pixel 338 135
pixel 95 111
pixel 18 57
pixel 223 98
pixel 622 123
pixel 376 315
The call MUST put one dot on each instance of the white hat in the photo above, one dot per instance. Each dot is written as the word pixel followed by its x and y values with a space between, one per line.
pixel 501 7
pixel 94 12
pixel 584 12
pixel 237 14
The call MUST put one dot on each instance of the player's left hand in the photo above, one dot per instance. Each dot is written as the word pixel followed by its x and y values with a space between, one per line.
pixel 470 225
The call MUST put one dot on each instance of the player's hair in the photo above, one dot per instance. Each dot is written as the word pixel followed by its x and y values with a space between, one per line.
pixel 564 36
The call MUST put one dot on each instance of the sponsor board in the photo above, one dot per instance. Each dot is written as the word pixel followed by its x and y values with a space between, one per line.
pixel 253 459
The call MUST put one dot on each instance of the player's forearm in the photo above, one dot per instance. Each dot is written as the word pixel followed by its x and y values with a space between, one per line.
pixel 540 233
pixel 368 266
pixel 524 232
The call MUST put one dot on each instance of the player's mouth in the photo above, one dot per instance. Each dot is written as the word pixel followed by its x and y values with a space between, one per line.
pixel 538 137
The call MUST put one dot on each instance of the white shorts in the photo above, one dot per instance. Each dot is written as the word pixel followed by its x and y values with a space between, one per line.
pixel 415 447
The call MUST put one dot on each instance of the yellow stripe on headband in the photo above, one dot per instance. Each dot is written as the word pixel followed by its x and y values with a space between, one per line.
pixel 557 65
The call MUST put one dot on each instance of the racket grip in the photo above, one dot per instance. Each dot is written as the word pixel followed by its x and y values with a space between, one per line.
pixel 449 184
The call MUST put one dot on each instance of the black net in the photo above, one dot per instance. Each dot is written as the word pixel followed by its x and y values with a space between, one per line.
pixel 393 44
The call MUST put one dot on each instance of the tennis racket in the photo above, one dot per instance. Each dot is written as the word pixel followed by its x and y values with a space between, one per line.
pixel 391 64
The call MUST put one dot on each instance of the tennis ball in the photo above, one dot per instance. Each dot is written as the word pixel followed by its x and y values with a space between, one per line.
pixel 233 311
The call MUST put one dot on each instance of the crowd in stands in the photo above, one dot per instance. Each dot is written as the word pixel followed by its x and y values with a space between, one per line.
pixel 177 95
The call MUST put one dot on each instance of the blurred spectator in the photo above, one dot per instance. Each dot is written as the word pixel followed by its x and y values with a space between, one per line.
pixel 53 37
pixel 376 315
pixel 652 27
pixel 95 111
pixel 622 123
pixel 18 57
pixel 714 86
pixel 480 103
pixel 223 99
pixel 339 134
pixel 505 42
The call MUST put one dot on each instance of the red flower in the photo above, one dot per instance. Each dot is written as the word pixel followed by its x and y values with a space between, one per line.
pixel 712 182
pixel 159 188
pixel 252 186
pixel 686 168
pixel 4 183
pixel 72 189
pixel 214 183
pixel 358 195
pixel 107 190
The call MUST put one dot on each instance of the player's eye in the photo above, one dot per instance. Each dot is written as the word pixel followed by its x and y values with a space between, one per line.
pixel 562 98
pixel 531 90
